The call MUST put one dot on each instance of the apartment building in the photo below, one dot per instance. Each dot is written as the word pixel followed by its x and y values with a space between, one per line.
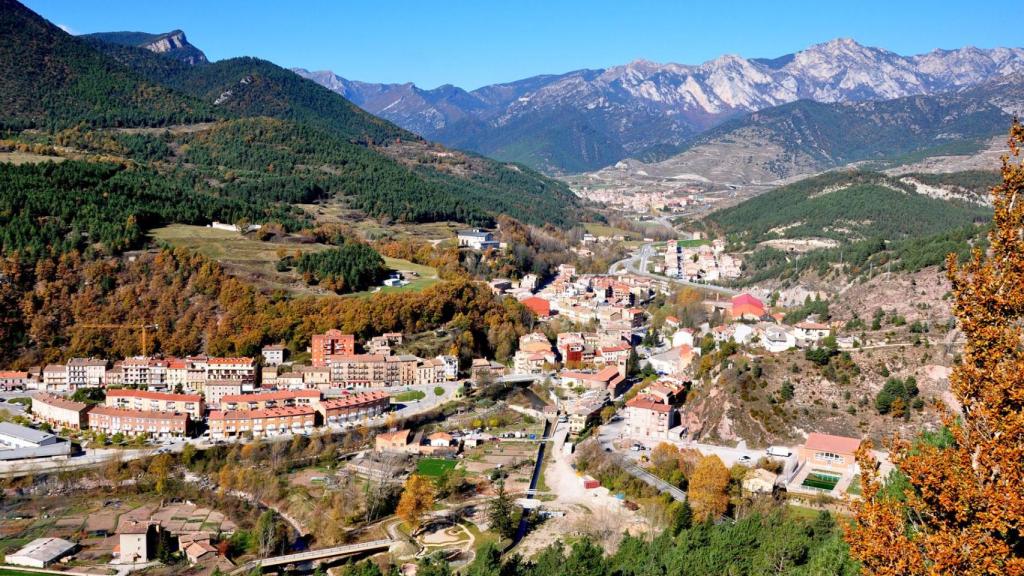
pixel 430 371
pixel 451 367
pixel 86 373
pixel 384 344
pixel 372 370
pixel 144 373
pixel 242 369
pixel 314 376
pixel 112 420
pixel 331 343
pixel 214 391
pixel 60 412
pixel 647 418
pixel 145 400
pixel 273 355
pixel 189 373
pixel 268 422
pixel 55 378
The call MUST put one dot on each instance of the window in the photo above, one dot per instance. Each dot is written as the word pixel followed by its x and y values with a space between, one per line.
pixel 829 457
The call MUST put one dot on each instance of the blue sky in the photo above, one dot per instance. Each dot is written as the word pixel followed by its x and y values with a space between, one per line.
pixel 471 43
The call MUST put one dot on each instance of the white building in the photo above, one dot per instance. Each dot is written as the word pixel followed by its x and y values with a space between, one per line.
pixel 811 331
pixel 86 373
pixel 682 337
pixel 451 367
pixel 273 355
pixel 15 436
pixel 477 239
pixel 777 339
pixel 41 552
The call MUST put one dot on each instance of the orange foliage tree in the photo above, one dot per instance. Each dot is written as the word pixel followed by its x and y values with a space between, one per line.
pixel 416 500
pixel 708 488
pixel 962 511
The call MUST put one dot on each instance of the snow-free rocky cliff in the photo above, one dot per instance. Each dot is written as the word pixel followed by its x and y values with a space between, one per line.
pixel 631 109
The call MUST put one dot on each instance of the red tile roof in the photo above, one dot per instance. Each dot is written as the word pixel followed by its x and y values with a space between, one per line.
pixel 129 393
pixel 538 306
pixel 268 413
pixel 59 402
pixel 110 411
pixel 239 360
pixel 355 399
pixel 644 402
pixel 271 395
pixel 830 443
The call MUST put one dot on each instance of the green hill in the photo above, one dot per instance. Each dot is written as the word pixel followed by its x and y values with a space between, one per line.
pixel 844 206
pixel 254 87
pixel 871 219
pixel 444 184
pixel 270 139
pixel 50 79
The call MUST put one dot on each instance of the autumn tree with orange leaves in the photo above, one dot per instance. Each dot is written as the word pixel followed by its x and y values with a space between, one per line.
pixel 963 508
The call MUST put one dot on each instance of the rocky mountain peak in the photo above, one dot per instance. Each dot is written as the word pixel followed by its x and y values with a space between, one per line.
pixel 581 119
pixel 176 44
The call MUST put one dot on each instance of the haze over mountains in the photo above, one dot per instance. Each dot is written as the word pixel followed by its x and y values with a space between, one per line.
pixel 587 119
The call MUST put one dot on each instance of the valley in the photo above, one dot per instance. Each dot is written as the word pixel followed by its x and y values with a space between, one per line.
pixel 747 316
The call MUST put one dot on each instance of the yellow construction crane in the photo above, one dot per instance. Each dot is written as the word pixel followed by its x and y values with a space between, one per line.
pixel 141 327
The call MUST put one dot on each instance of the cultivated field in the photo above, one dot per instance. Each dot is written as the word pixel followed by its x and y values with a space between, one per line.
pixel 255 260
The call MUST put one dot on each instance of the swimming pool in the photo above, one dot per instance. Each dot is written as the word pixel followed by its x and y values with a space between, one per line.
pixel 821 480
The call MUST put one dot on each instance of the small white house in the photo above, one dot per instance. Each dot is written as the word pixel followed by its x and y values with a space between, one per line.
pixel 743 333
pixel 778 339
pixel 811 331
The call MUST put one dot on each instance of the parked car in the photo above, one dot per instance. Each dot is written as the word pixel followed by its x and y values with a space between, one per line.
pixel 745 460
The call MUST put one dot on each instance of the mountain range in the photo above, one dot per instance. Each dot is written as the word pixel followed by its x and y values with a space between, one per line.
pixel 305 143
pixel 587 119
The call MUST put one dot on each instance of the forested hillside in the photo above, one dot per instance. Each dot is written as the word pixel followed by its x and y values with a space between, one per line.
pixel 254 87
pixel 50 79
pixel 199 308
pixel 278 139
pixel 48 209
pixel 861 220
pixel 844 205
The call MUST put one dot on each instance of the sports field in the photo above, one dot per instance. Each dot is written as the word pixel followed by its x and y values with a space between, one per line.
pixel 434 467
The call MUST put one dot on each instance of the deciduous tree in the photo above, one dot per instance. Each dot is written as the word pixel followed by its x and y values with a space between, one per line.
pixel 962 510
pixel 417 498
pixel 708 486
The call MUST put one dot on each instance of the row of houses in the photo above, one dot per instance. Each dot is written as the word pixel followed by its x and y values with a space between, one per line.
pixel 219 376
pixel 144 412
pixel 191 373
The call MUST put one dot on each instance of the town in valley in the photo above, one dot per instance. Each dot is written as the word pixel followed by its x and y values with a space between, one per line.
pixel 754 315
